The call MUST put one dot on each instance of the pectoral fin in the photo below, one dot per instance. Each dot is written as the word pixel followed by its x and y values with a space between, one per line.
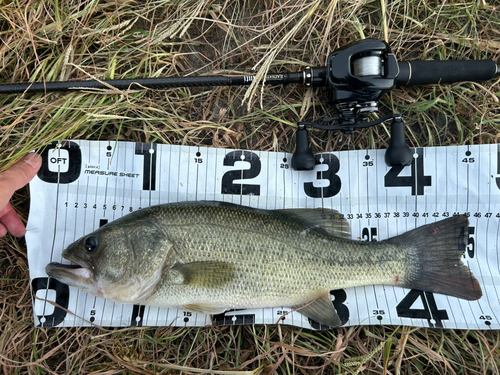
pixel 209 274
pixel 320 310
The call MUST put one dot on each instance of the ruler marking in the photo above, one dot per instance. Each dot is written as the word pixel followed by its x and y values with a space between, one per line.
pixel 485 295
pixel 53 236
pixel 197 171
pixel 108 165
pixel 206 173
pixel 377 174
pixel 367 185
pixel 241 177
pixel 468 179
pixel 285 185
pixel 188 174
pixel 478 209
pixel 75 235
pixel 286 191
pixel 490 187
pixel 64 244
pixel 150 177
pixel 376 303
pixel 159 174
pixel 457 208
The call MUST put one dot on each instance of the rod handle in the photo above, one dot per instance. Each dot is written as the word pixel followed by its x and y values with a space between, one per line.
pixel 412 73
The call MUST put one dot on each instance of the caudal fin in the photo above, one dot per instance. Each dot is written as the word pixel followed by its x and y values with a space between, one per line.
pixel 437 265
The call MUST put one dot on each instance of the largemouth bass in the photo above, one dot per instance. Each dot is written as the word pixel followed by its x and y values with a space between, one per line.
pixel 212 256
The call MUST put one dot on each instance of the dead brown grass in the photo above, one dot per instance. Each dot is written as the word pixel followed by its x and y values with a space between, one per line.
pixel 53 40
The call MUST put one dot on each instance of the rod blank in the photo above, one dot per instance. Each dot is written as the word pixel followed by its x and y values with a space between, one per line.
pixel 149 83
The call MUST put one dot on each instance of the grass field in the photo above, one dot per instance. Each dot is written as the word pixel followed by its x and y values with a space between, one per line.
pixel 50 40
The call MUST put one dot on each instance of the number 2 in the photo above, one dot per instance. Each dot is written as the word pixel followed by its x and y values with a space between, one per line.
pixel 227 184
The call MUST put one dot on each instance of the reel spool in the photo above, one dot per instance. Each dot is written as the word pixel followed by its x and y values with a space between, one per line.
pixel 367 66
pixel 358 75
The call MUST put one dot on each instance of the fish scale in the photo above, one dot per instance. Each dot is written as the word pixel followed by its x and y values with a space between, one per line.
pixel 213 256
pixel 266 254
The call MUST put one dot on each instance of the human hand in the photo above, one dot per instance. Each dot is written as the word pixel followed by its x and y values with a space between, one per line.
pixel 11 180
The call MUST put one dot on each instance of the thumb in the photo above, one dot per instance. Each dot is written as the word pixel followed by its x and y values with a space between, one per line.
pixel 17 176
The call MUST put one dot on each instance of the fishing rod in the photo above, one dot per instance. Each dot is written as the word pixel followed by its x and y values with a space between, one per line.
pixel 356 76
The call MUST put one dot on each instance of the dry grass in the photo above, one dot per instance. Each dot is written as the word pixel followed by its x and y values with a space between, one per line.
pixel 63 39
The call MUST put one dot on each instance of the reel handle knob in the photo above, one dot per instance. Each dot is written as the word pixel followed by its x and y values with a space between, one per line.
pixel 303 159
pixel 398 154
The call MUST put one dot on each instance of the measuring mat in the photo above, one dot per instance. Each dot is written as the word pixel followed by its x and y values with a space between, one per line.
pixel 83 185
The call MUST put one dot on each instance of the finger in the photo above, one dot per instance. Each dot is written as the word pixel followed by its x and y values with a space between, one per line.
pixel 3 230
pixel 11 221
pixel 17 176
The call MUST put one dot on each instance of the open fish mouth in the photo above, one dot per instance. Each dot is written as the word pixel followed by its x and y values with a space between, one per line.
pixel 71 274
pixel 67 266
pixel 54 266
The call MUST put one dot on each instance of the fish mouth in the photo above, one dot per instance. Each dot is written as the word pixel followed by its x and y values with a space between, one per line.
pixel 77 274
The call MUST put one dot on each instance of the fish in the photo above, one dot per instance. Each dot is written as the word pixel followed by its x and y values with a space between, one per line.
pixel 210 257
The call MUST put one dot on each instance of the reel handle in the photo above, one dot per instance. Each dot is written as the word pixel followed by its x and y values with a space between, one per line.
pixel 398 154
pixel 303 159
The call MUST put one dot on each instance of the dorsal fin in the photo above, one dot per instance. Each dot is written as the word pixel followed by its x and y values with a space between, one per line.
pixel 331 221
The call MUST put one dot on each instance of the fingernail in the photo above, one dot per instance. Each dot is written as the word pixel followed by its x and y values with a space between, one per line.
pixel 33 159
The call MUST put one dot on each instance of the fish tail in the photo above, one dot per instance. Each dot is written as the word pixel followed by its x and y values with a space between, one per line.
pixel 435 259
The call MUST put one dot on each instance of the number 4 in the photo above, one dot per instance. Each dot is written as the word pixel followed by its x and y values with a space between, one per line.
pixel 417 181
pixel 430 311
pixel 485 317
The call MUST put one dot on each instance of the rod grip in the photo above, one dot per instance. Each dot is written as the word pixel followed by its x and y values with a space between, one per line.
pixel 416 72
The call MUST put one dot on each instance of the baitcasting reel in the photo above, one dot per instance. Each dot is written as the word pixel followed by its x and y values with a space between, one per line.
pixel 358 75
pixel 355 78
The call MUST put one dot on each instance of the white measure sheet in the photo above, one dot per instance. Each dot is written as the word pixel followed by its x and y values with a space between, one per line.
pixel 85 184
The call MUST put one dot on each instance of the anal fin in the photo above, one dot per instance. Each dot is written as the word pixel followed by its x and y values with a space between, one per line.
pixel 204 308
pixel 320 310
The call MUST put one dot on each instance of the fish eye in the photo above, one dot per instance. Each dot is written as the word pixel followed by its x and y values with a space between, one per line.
pixel 91 244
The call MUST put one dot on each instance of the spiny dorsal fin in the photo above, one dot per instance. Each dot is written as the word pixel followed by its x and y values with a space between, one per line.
pixel 320 310
pixel 208 274
pixel 331 221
